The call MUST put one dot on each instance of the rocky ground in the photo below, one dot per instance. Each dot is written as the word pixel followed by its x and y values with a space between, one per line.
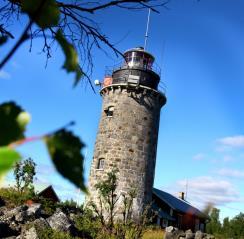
pixel 22 222
pixel 175 233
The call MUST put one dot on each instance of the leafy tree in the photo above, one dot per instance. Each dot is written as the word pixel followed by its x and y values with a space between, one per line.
pixel 214 226
pixel 230 228
pixel 237 227
pixel 24 172
pixel 108 198
pixel 226 229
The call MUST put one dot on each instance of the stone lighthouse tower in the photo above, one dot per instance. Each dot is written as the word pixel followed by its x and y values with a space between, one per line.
pixel 128 130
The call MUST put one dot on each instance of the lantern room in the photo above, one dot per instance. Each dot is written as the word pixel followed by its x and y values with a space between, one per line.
pixel 137 57
pixel 136 70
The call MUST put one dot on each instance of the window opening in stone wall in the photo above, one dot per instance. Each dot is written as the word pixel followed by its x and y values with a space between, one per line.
pixel 100 164
pixel 109 111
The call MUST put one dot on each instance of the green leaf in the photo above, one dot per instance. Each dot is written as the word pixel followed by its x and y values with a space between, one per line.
pixel 45 13
pixel 71 63
pixel 8 157
pixel 11 125
pixel 65 151
pixel 3 39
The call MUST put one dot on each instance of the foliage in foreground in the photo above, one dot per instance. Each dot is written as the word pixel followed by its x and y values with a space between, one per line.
pixel 88 225
pixel 63 146
pixel 106 223
pixel 13 198
pixel 230 228
pixel 48 233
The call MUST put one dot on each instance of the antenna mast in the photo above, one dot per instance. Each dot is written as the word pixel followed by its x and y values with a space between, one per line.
pixel 146 35
pixel 186 188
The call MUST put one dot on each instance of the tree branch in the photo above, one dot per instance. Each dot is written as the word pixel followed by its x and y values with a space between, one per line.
pixel 23 37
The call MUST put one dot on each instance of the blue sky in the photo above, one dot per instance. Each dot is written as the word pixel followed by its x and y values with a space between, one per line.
pixel 199 46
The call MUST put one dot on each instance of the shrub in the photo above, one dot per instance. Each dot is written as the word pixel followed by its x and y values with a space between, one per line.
pixel 48 233
pixel 88 225
pixel 14 198
pixel 48 205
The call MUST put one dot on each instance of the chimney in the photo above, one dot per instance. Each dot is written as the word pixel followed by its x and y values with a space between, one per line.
pixel 182 195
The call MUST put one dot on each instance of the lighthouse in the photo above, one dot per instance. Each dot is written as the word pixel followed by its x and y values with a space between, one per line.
pixel 128 130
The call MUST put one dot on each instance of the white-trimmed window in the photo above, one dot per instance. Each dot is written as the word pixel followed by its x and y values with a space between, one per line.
pixel 100 164
pixel 109 111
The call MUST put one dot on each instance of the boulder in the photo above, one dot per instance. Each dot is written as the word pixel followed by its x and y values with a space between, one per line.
pixel 6 230
pixel 2 202
pixel 10 214
pixel 199 235
pixel 169 232
pixel 31 233
pixel 41 223
pixel 21 216
pixel 34 210
pixel 173 233
pixel 60 222
pixel 189 234
pixel 170 229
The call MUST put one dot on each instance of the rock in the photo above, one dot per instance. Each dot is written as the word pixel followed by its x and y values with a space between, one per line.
pixel 34 210
pixel 179 234
pixel 15 226
pixel 6 230
pixel 173 233
pixel 169 232
pixel 2 202
pixel 60 222
pixel 21 216
pixel 30 234
pixel 41 223
pixel 170 229
pixel 10 214
pixel 189 234
pixel 72 216
pixel 199 235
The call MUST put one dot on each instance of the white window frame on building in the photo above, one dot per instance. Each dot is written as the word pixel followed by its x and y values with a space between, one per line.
pixel 100 164
pixel 109 111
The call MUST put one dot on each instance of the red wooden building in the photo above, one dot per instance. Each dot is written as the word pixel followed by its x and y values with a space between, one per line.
pixel 177 212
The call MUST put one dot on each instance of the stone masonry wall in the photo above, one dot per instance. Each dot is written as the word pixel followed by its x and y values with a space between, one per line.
pixel 128 141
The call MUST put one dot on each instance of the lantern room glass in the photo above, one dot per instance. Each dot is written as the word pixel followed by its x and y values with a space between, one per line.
pixel 138 59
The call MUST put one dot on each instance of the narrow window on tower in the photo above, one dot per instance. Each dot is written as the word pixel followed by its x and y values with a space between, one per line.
pixel 100 164
pixel 109 111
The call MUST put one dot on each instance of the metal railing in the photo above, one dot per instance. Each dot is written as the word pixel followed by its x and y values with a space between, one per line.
pixel 121 65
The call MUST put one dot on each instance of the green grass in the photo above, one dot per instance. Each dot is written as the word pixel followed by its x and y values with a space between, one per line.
pixel 14 198
pixel 153 234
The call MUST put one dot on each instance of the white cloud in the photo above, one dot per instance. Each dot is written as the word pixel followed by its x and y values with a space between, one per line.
pixel 231 173
pixel 227 158
pixel 4 75
pixel 204 190
pixel 199 156
pixel 232 142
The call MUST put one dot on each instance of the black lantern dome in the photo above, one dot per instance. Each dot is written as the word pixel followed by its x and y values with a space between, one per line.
pixel 137 69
